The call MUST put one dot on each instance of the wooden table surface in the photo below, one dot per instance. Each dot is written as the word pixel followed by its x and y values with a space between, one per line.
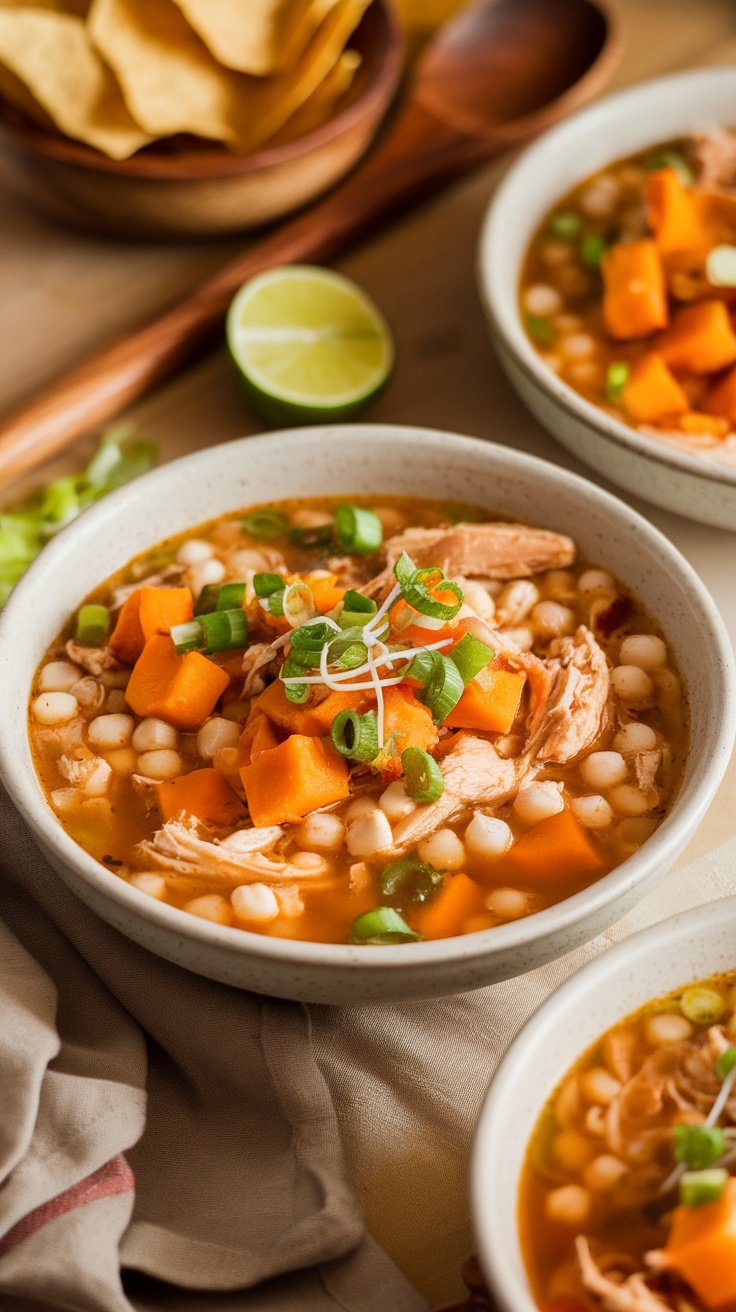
pixel 63 294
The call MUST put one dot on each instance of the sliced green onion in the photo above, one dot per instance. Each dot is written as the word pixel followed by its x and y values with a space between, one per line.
pixel 444 689
pixel 698 1188
pixel 565 224
pixel 592 249
pixel 382 926
pixel 417 593
pixel 410 879
pixel 93 624
pixel 207 599
pixel 422 666
pixel 424 782
pixel 702 1006
pixel 540 329
pixel 617 376
pixel 471 656
pixel 318 535
pixel 357 530
pixel 266 524
pixel 291 669
pixel 726 1062
pixel 356 609
pixel 671 159
pixel 699 1146
pixel 312 636
pixel 220 630
pixel 230 596
pixel 269 588
pixel 297 603
pixel 356 736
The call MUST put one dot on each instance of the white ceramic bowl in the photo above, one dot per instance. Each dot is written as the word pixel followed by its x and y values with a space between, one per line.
pixel 677 951
pixel 365 458
pixel 692 484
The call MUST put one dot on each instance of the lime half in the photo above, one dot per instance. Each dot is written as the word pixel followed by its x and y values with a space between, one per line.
pixel 308 344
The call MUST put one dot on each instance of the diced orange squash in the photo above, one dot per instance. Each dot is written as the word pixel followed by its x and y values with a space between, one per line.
pixel 145 612
pixel 674 214
pixel 458 899
pixel 287 782
pixel 555 848
pixel 326 591
pixel 490 702
pixel 702 1249
pixel 700 424
pixel 722 399
pixel 634 296
pixel 183 690
pixel 205 794
pixel 700 339
pixel 652 392
pixel 258 736
pixel 408 723
pixel 315 719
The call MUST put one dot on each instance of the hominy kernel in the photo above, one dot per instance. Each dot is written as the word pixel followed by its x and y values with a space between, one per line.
pixel 635 737
pixel 194 552
pixel 394 802
pixel 666 1028
pixel 214 734
pixel 569 1205
pixel 211 906
pixel 541 299
pixel 593 579
pixel 443 849
pixel 572 1150
pixel 631 684
pixel 599 1086
pixel 107 732
pixel 369 834
pixel 323 831
pixel 58 676
pixel 508 903
pixel 538 801
pixel 552 620
pixel 593 812
pixel 153 885
pixel 162 764
pixel 487 836
pixel 631 801
pixel 255 903
pixel 644 650
pixel 604 1173
pixel 55 707
pixel 603 769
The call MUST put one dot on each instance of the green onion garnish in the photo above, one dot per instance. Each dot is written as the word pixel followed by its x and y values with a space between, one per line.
pixel 213 597
pixel 671 159
pixel 592 249
pixel 424 782
pixel 93 624
pixel 312 636
pixel 540 329
pixel 356 609
pixel 699 1146
pixel 220 630
pixel 269 588
pixel 207 599
pixel 410 879
pixel 297 603
pixel 698 1188
pixel 318 535
pixel 702 1006
pixel 565 224
pixel 416 591
pixel 444 689
pixel 266 524
pixel 381 926
pixel 471 656
pixel 356 736
pixel 617 376
pixel 422 666
pixel 726 1062
pixel 357 530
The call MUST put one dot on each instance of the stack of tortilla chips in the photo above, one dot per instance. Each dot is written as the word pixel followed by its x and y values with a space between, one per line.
pixel 119 74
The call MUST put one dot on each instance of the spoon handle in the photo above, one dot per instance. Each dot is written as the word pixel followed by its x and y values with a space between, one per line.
pixel 418 152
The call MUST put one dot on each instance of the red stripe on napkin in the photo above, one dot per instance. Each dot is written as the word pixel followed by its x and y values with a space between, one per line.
pixel 115 1177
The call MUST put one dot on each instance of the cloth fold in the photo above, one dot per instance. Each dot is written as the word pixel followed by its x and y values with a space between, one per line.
pixel 166 1142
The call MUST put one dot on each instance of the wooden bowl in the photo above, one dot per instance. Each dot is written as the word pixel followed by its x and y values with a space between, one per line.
pixel 202 190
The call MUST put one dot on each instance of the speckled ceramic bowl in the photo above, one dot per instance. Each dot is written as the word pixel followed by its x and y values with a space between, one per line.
pixel 696 485
pixel 675 952
pixel 368 458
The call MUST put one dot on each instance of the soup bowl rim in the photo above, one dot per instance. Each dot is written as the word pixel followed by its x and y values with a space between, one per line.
pixel 405 959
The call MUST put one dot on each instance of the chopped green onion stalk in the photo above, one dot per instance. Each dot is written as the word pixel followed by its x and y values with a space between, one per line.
pixel 702 1006
pixel 269 588
pixel 617 376
pixel 671 159
pixel 424 782
pixel 699 1146
pixel 357 530
pixel 727 1062
pixel 267 524
pixel 230 596
pixel 417 592
pixel 356 736
pixel 540 329
pixel 444 689
pixel 565 224
pixel 422 666
pixel 220 630
pixel 410 879
pixel 382 926
pixel 698 1188
pixel 93 624
pixel 312 636
pixel 297 603
pixel 356 609
pixel 318 536
pixel 207 599
pixel 592 249
pixel 471 656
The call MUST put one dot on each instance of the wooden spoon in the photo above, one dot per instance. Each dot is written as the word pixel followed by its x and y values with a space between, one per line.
pixel 498 73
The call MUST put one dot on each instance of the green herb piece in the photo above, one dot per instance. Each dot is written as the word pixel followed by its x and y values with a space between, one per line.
pixel 93 624
pixel 420 586
pixel 356 736
pixel 265 524
pixel 357 530
pixel 727 1062
pixel 592 249
pixel 565 224
pixel 699 1146
pixel 314 538
pixel 702 1006
pixel 444 689
pixel 382 926
pixel 671 159
pixel 540 329
pixel 269 589
pixel 424 782
pixel 207 599
pixel 219 630
pixel 471 656
pixel 410 879
pixel 698 1188
pixel 617 376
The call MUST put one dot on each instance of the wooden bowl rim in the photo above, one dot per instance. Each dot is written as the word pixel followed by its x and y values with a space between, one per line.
pixel 205 163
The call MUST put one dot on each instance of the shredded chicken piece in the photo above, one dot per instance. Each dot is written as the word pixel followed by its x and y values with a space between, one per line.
pixel 91 773
pixel 646 767
pixel 93 659
pixel 474 775
pixel 714 156
pixel 177 846
pixel 574 713
pixel 630 1295
pixel 88 692
pixel 256 660
pixel 485 551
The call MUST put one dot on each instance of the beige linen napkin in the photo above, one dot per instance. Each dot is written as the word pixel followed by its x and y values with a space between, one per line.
pixel 165 1142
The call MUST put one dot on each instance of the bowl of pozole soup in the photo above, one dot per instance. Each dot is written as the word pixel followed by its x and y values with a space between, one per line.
pixel 608 267
pixel 339 743
pixel 618 1190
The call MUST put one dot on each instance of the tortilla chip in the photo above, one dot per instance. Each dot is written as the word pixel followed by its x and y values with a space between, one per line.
pixel 51 55
pixel 169 79
pixel 259 37
pixel 273 101
pixel 323 102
